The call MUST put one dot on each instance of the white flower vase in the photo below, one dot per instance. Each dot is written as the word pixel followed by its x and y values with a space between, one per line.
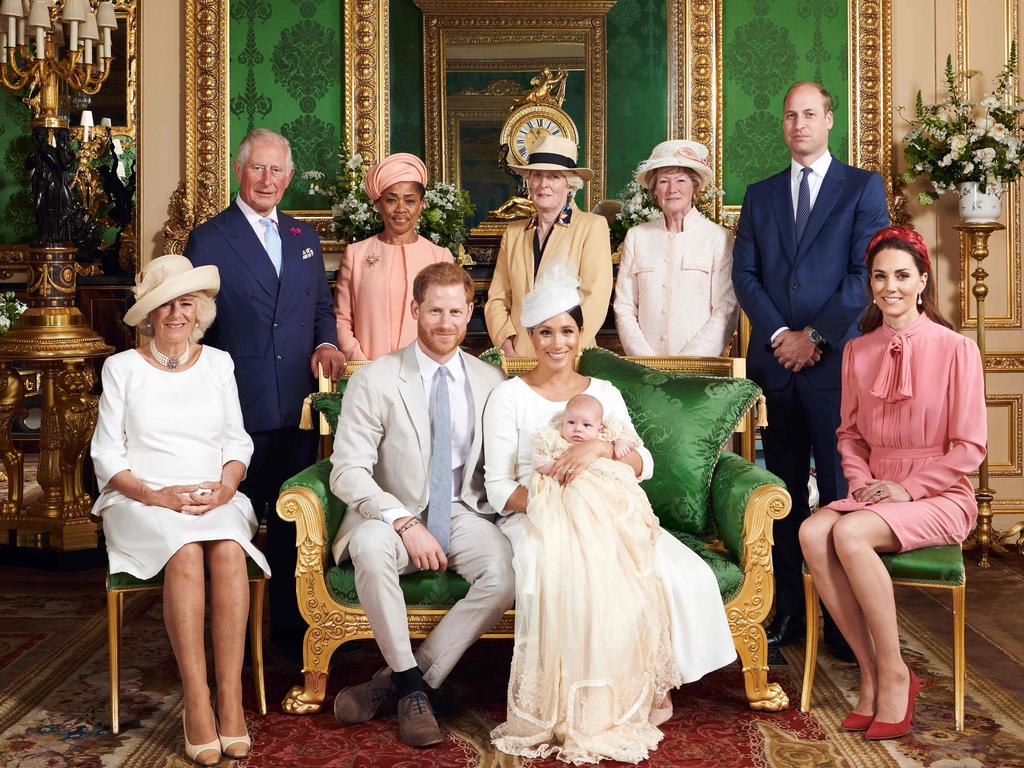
pixel 976 205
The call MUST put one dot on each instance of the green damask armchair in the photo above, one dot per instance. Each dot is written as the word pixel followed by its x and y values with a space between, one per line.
pixel 718 503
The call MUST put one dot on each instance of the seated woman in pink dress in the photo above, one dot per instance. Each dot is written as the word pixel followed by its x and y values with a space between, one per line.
pixel 374 288
pixel 913 427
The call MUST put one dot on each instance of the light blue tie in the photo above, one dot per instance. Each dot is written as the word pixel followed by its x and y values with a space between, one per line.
pixel 803 204
pixel 272 241
pixel 439 507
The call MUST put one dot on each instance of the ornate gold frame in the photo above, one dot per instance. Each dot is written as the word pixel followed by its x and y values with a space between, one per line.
pixel 695 75
pixel 491 103
pixel 448 22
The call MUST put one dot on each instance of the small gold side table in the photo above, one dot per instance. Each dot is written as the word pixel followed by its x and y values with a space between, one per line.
pixel 984 536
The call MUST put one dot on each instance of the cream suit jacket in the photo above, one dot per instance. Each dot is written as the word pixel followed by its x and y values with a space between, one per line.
pixel 381 457
pixel 584 242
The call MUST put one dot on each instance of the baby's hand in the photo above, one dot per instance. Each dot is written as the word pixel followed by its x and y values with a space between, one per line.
pixel 621 448
pixel 545 468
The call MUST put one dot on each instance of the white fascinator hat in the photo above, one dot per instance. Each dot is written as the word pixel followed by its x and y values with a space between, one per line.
pixel 555 291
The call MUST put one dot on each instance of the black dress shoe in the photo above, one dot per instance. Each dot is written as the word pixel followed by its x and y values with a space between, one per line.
pixel 785 628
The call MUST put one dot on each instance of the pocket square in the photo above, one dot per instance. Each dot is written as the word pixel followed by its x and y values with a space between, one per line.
pixel 307 253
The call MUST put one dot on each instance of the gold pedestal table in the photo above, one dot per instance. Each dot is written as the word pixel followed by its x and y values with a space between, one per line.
pixel 53 338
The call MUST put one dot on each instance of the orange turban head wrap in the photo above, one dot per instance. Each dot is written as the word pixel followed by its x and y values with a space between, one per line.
pixel 400 166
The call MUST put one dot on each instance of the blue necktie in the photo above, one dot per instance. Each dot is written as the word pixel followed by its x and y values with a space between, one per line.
pixel 803 204
pixel 439 507
pixel 272 242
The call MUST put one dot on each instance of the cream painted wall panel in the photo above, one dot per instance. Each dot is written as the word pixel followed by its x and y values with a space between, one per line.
pixel 162 131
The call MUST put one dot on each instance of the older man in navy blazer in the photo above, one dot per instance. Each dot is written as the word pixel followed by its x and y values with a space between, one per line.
pixel 799 273
pixel 275 319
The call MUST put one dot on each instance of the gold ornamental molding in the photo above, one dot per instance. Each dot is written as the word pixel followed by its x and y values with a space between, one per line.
pixel 367 78
pixel 455 23
pixel 695 104
pixel 1012 407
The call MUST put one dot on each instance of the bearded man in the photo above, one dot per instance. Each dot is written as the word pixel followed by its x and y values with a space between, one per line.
pixel 408 463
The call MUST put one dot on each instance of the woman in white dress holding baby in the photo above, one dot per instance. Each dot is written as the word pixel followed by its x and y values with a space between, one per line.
pixel 611 611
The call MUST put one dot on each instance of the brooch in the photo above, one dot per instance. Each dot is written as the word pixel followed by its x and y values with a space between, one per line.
pixel 295 231
pixel 307 253
pixel 371 259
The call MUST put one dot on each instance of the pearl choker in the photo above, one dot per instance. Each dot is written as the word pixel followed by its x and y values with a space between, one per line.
pixel 164 360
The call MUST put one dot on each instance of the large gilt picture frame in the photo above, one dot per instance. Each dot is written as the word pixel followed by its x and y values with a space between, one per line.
pixel 695 86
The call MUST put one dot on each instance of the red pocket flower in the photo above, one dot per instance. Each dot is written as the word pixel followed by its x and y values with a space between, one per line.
pixel 295 231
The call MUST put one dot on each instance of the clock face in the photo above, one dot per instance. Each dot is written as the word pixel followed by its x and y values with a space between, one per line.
pixel 528 124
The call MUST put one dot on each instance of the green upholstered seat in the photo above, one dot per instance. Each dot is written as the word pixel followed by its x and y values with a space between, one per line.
pixel 936 566
pixel 117 582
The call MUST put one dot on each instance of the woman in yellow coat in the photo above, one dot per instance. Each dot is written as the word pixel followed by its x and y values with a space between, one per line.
pixel 558 233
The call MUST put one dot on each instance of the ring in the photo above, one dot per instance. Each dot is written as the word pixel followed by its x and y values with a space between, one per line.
pixel 878 492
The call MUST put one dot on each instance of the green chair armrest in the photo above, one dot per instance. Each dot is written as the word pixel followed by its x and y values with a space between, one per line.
pixel 734 481
pixel 317 480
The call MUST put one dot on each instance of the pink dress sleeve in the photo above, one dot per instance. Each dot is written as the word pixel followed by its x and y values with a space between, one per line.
pixel 853 448
pixel 343 309
pixel 968 426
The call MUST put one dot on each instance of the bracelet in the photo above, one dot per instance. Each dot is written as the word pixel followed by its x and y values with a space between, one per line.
pixel 408 525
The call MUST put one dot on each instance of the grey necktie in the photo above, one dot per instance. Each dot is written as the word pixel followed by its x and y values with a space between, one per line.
pixel 803 204
pixel 439 507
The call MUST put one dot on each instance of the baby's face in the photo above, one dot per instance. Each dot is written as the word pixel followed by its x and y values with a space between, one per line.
pixel 581 423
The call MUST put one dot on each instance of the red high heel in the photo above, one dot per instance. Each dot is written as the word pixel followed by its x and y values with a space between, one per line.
pixel 882 730
pixel 857 722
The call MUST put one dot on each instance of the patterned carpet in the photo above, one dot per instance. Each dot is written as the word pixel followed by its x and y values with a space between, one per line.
pixel 54 706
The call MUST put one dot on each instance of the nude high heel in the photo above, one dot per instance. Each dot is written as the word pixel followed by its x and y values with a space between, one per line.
pixel 230 741
pixel 663 714
pixel 194 750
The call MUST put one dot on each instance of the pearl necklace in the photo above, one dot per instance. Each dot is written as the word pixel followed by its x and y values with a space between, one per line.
pixel 164 360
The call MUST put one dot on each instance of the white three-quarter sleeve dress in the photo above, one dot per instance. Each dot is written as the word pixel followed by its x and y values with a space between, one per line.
pixel 168 428
pixel 701 641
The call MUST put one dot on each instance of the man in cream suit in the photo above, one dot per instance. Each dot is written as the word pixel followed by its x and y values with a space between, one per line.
pixel 408 463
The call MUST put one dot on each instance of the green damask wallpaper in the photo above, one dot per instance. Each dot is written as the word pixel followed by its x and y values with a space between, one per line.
pixel 405 36
pixel 17 224
pixel 637 87
pixel 766 46
pixel 287 74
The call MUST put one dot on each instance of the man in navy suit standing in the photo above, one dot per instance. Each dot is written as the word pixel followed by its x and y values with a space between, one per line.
pixel 275 319
pixel 799 273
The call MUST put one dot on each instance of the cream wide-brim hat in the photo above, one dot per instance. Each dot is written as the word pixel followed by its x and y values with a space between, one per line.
pixel 553 153
pixel 677 153
pixel 166 278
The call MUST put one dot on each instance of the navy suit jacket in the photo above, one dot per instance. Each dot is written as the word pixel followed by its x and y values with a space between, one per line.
pixel 269 325
pixel 822 283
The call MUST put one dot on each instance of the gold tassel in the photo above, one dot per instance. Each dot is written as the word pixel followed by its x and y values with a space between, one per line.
pixel 762 411
pixel 306 420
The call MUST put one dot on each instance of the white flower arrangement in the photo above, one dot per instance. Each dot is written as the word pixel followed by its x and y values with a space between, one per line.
pixel 445 206
pixel 11 311
pixel 957 140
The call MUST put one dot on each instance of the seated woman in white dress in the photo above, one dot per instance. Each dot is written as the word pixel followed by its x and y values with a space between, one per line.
pixel 547 715
pixel 169 452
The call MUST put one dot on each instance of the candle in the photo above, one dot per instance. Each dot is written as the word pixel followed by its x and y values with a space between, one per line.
pixel 73 37
pixel 3 48
pixel 10 34
pixel 106 41
pixel 21 32
pixel 103 65
pixel 40 43
pixel 88 51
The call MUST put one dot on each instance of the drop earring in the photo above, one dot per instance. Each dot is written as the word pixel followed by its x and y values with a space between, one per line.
pixel 919 300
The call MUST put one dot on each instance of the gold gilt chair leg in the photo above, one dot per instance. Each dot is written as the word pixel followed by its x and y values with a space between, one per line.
pixel 114 649
pixel 811 643
pixel 959 654
pixel 256 590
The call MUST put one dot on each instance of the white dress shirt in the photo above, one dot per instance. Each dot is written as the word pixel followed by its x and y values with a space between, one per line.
pixel 817 175
pixel 254 220
pixel 460 396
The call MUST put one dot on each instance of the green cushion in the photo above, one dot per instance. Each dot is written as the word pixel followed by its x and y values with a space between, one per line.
pixel 728 574
pixel 684 421
pixel 734 481
pixel 425 589
pixel 317 478
pixel 117 582
pixel 929 565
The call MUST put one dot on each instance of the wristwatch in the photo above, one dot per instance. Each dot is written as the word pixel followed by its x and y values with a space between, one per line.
pixel 815 337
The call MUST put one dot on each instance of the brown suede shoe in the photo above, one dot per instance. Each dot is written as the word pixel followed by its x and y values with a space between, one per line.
pixel 417 726
pixel 359 703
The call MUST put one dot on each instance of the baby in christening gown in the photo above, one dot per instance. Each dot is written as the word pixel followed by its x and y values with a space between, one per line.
pixel 592 650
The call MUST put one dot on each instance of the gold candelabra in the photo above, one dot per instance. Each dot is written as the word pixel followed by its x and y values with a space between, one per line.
pixel 42 45
pixel 984 536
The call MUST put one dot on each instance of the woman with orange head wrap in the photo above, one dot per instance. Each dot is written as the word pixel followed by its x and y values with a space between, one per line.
pixel 374 288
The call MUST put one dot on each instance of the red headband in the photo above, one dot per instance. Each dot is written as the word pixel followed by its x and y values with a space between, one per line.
pixel 905 234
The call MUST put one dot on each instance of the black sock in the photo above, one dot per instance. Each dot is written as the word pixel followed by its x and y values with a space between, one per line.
pixel 409 681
